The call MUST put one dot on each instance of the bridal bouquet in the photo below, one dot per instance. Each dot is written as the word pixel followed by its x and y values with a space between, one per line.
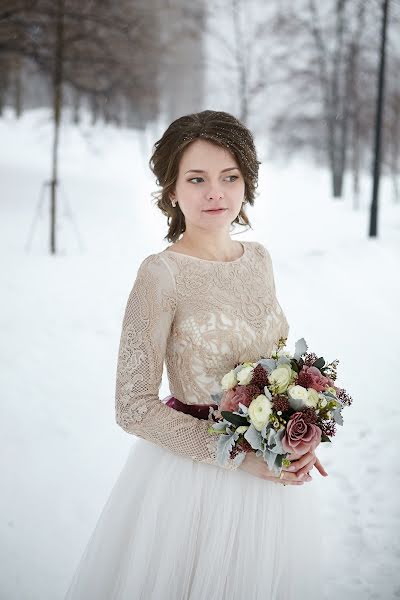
pixel 278 406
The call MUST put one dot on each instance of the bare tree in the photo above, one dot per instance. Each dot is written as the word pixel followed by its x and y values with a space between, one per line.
pixel 322 65
pixel 392 136
pixel 96 48
pixel 373 224
pixel 241 55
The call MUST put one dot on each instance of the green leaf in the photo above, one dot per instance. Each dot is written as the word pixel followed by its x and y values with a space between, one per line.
pixel 211 430
pixel 224 446
pixel 337 416
pixel 325 438
pixel 254 438
pixel 319 363
pixel 300 348
pixel 294 365
pixel 235 419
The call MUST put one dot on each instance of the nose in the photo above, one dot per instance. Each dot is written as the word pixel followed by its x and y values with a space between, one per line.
pixel 214 193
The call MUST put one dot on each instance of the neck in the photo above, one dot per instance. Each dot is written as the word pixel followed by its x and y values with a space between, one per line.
pixel 210 246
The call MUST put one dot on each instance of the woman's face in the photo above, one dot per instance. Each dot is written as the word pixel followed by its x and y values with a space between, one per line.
pixel 208 178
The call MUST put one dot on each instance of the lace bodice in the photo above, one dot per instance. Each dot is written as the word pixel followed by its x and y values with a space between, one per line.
pixel 201 317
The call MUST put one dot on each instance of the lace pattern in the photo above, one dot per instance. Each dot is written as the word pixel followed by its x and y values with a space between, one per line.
pixel 201 317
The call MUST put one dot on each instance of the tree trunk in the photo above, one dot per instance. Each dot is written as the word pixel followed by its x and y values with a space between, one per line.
pixel 106 110
pixel 394 150
pixel 331 82
pixel 338 109
pixel 57 106
pixel 356 164
pixel 337 182
pixel 94 106
pixel 4 83
pixel 76 103
pixel 355 124
pixel 373 224
pixel 17 87
pixel 240 57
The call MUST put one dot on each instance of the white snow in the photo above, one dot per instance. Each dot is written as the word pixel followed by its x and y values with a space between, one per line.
pixel 60 320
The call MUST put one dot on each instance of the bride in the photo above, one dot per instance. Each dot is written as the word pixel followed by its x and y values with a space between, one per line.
pixel 177 525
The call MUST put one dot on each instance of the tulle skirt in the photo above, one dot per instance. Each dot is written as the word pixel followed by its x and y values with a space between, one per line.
pixel 176 529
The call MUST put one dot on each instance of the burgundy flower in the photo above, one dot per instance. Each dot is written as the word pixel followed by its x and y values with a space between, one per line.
pixel 328 428
pixel 344 397
pixel 231 398
pixel 309 415
pixel 311 377
pixel 309 358
pixel 300 437
pixel 260 377
pixel 280 403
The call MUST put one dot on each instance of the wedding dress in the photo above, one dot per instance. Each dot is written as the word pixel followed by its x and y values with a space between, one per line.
pixel 178 526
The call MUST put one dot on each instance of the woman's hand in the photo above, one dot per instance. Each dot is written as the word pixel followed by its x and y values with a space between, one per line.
pixel 303 463
pixel 257 466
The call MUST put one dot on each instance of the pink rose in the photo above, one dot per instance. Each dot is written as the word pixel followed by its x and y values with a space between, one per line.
pixel 231 399
pixel 300 437
pixel 311 377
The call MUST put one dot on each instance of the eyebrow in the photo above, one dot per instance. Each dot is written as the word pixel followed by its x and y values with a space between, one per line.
pixel 200 171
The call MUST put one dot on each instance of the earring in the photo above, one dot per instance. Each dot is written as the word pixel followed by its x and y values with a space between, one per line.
pixel 173 202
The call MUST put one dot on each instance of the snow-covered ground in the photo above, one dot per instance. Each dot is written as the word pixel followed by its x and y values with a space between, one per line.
pixel 60 320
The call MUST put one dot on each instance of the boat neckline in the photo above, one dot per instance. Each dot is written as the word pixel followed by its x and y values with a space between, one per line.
pixel 220 262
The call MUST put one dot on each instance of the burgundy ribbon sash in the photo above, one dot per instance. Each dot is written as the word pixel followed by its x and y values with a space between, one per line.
pixel 196 410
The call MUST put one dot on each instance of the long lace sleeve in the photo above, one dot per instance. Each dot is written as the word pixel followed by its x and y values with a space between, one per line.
pixel 138 408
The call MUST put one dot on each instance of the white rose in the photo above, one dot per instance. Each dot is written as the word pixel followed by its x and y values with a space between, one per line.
pixel 245 375
pixel 259 411
pixel 229 380
pixel 298 392
pixel 280 378
pixel 312 398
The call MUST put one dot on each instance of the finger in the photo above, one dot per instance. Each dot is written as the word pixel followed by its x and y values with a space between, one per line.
pixel 285 481
pixel 292 483
pixel 292 477
pixel 283 477
pixel 320 468
pixel 293 456
pixel 306 467
pixel 298 464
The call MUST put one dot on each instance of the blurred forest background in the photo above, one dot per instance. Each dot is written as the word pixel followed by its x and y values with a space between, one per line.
pixel 303 75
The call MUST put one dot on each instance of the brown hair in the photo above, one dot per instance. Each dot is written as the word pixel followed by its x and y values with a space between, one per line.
pixel 218 127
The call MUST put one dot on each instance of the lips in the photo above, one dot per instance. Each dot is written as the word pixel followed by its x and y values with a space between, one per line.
pixel 214 209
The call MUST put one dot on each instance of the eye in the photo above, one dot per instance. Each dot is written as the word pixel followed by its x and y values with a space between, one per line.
pixel 229 176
